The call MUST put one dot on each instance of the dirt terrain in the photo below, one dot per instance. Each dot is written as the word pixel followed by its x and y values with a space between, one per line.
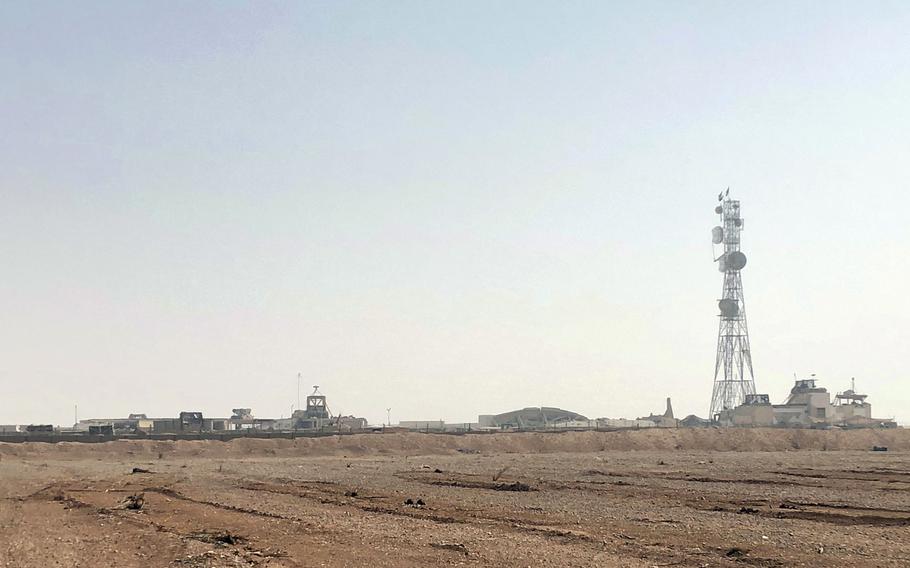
pixel 636 499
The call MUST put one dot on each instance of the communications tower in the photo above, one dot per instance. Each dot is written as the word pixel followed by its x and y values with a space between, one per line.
pixel 733 377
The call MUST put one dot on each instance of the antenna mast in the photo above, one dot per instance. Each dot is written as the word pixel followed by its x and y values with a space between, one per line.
pixel 733 376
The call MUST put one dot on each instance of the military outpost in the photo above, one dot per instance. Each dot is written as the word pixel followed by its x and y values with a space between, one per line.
pixel 735 402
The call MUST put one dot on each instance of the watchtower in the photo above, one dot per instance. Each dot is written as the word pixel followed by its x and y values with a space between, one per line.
pixel 316 406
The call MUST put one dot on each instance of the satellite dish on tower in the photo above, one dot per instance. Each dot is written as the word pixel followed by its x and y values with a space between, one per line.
pixel 717 235
pixel 731 261
pixel 736 260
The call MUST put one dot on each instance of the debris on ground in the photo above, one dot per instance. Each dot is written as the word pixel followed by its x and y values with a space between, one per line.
pixel 735 552
pixel 220 559
pixel 879 448
pixel 479 484
pixel 141 470
pixel 133 502
pixel 217 537
pixel 514 486
pixel 595 472
pixel 454 546
pixel 350 494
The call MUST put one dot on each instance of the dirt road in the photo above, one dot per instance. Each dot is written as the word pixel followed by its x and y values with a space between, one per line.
pixel 72 507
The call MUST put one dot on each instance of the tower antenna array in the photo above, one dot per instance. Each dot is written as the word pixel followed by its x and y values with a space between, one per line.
pixel 733 376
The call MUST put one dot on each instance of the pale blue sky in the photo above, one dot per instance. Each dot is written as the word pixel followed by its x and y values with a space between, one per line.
pixel 449 208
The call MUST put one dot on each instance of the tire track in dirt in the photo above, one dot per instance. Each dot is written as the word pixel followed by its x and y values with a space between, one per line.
pixel 422 513
pixel 785 509
pixel 242 553
pixel 326 493
pixel 835 514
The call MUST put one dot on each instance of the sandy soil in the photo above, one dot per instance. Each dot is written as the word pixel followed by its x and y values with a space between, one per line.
pixel 579 499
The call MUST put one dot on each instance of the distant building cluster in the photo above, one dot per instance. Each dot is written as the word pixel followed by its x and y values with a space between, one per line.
pixel 543 418
pixel 808 405
pixel 312 419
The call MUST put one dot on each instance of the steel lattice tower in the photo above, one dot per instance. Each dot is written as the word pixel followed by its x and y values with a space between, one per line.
pixel 733 376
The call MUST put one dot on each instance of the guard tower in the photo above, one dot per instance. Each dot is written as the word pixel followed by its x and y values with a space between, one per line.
pixel 316 406
pixel 733 377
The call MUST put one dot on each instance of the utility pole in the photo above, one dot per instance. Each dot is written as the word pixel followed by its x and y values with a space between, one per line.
pixel 388 412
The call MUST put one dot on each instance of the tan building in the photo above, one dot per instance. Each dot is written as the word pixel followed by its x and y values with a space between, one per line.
pixel 756 411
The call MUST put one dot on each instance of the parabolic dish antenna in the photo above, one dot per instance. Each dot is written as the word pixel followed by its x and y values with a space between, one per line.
pixel 735 260
pixel 729 308
pixel 717 235
pixel 731 261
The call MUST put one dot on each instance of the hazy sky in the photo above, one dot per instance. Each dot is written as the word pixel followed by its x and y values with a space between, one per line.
pixel 446 208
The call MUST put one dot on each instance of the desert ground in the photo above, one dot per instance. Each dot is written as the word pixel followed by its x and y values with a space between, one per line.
pixel 733 498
